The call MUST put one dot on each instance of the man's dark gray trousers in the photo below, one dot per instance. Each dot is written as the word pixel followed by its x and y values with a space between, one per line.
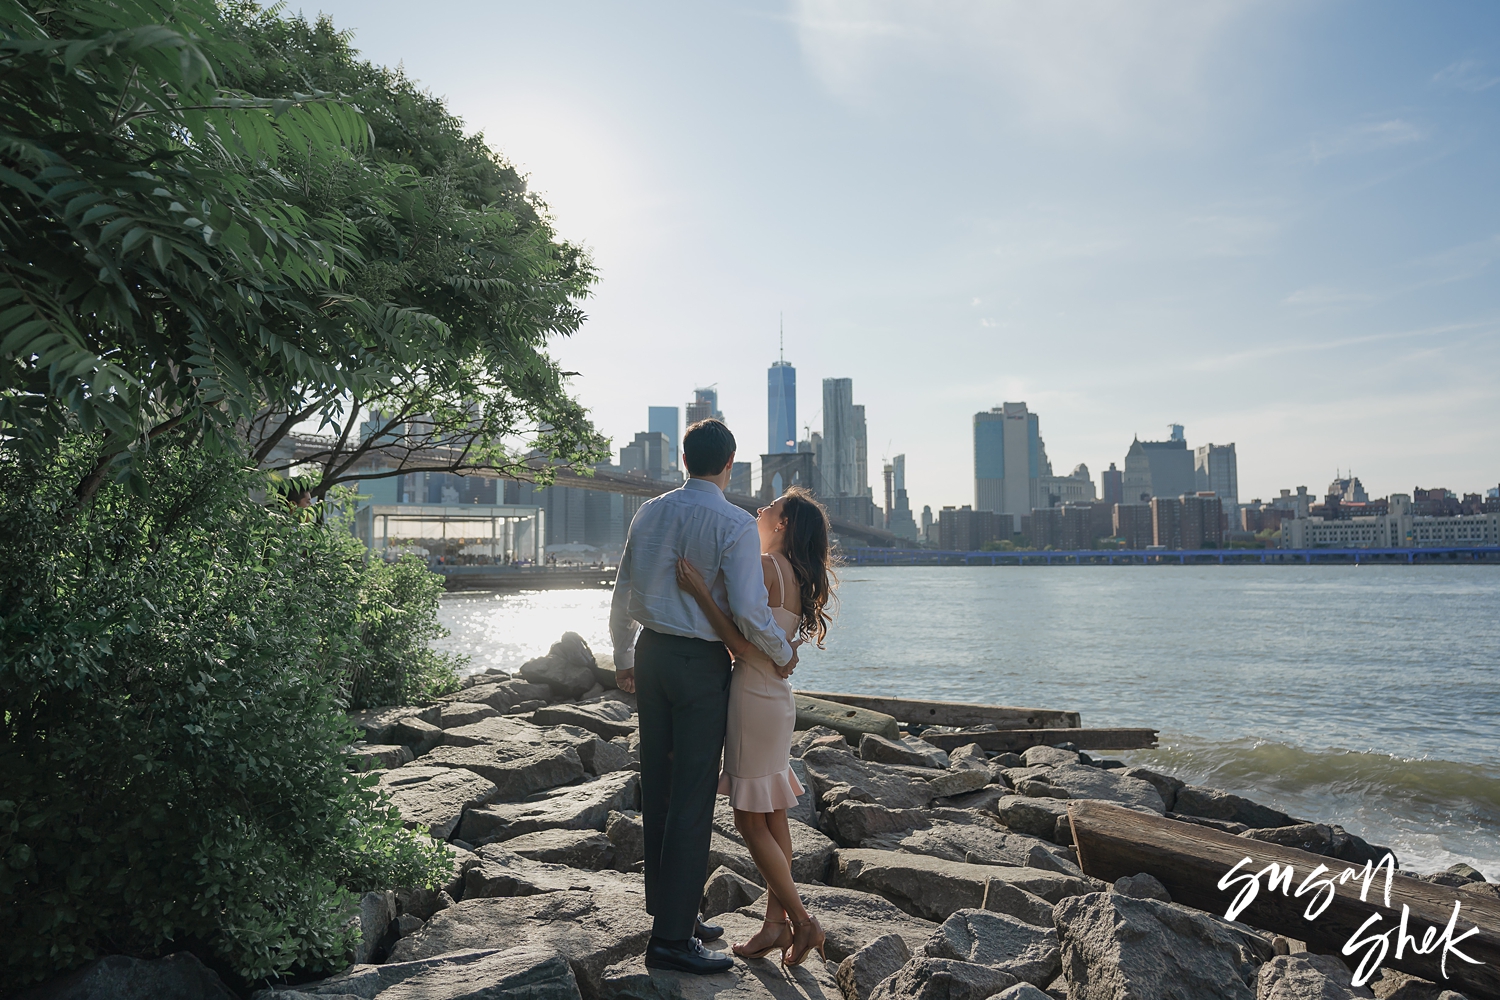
pixel 682 695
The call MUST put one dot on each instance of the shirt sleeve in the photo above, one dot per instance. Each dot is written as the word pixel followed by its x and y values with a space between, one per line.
pixel 623 628
pixel 749 605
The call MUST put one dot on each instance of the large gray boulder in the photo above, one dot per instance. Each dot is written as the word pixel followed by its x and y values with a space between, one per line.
pixel 585 849
pixel 853 919
pixel 1049 756
pixel 178 976
pixel 577 807
pixel 855 823
pixel 377 917
pixel 1028 952
pixel 463 713
pixel 536 974
pixel 862 971
pixel 958 781
pixel 728 890
pixel 592 930
pixel 935 889
pixel 435 798
pixel 498 729
pixel 495 871
pixel 752 979
pixel 376 723
pixel 1002 897
pixel 1211 803
pixel 1036 817
pixel 837 776
pixel 806 809
pixel 1166 786
pixel 908 750
pixel 565 679
pixel 574 651
pixel 1084 782
pixel 1307 977
pixel 925 978
pixel 972 757
pixel 416 733
pixel 503 696
pixel 1118 948
pixel 606 756
pixel 378 756
pixel 603 718
pixel 515 772
pixel 972 843
pixel 627 834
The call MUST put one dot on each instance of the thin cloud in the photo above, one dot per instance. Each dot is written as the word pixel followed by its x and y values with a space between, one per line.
pixel 1365 138
pixel 1466 74
pixel 1101 66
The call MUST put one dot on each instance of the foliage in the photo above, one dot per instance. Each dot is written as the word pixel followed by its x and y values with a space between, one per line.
pixel 153 271
pixel 171 674
pixel 177 252
pixel 398 618
pixel 469 245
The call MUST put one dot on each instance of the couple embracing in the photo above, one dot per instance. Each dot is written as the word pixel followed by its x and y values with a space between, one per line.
pixel 709 608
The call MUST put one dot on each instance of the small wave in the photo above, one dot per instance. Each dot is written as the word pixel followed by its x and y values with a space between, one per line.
pixel 1433 812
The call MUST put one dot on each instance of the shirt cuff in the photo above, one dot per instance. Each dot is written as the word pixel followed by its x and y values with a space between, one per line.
pixel 625 659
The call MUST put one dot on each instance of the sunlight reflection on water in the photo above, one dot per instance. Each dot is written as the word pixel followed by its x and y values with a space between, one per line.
pixel 506 630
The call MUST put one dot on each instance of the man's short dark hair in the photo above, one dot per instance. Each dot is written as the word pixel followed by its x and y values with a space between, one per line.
pixel 707 447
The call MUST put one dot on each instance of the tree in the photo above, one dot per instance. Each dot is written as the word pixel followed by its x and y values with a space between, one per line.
pixel 470 246
pixel 177 252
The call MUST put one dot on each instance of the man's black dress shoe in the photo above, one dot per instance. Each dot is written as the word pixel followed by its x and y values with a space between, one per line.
pixel 686 956
pixel 707 932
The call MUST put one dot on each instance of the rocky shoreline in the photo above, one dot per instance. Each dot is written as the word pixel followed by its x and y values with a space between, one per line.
pixel 937 876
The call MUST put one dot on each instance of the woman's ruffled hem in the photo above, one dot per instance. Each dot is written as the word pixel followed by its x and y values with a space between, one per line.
pixel 767 793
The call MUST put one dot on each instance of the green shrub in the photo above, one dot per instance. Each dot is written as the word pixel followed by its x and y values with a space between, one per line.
pixel 398 618
pixel 172 672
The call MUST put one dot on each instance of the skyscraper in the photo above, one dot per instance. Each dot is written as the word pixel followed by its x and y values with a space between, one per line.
pixel 781 408
pixel 837 458
pixel 1159 468
pixel 705 404
pixel 1008 459
pixel 1216 468
pixel 663 420
pixel 861 454
pixel 1113 482
pixel 898 518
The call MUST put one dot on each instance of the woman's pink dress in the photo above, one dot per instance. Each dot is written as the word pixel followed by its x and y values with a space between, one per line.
pixel 757 774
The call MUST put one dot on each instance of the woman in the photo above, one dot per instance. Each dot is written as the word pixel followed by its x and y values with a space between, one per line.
pixel 757 774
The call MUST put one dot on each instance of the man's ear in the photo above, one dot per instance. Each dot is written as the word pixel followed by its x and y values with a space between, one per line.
pixel 729 465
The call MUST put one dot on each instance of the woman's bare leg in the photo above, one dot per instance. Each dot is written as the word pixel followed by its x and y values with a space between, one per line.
pixel 773 856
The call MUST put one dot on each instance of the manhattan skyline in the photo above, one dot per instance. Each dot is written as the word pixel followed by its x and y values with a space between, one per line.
pixel 1272 223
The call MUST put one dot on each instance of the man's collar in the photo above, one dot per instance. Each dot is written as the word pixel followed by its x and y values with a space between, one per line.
pixel 702 485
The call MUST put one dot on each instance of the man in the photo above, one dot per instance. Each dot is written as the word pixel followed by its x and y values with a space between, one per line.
pixel 667 653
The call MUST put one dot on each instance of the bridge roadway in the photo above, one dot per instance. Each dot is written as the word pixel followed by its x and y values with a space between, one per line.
pixel 314 447
pixel 639 486
pixel 1102 557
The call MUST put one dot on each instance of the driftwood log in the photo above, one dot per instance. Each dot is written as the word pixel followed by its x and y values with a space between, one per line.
pixel 1019 740
pixel 954 713
pixel 1191 861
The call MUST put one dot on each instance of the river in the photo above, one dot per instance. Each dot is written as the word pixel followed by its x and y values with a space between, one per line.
pixel 1362 695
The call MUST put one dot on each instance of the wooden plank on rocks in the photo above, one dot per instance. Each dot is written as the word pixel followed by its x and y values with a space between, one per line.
pixel 1191 861
pixel 1019 740
pixel 847 720
pixel 955 713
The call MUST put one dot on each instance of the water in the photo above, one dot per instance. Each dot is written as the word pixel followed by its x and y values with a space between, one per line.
pixel 1367 696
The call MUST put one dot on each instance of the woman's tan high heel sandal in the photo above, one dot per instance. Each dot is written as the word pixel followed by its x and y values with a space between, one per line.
pixel 807 937
pixel 740 952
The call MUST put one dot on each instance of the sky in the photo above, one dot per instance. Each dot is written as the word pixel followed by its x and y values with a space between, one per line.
pixel 1275 223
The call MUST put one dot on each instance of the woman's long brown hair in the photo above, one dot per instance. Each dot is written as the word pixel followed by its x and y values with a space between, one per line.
pixel 808 551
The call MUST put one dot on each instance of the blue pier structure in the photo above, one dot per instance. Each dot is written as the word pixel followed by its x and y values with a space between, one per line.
pixel 1448 555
